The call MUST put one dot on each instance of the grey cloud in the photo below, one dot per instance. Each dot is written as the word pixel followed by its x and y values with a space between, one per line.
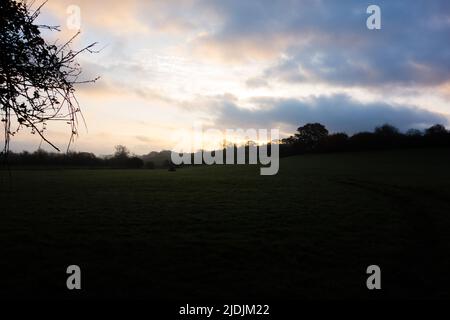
pixel 330 41
pixel 337 112
pixel 324 40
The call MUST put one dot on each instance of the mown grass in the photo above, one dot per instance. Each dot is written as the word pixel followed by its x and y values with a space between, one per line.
pixel 226 232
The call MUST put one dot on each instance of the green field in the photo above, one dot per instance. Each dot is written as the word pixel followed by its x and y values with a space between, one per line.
pixel 222 232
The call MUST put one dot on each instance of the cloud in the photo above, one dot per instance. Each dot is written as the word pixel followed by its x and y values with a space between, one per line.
pixel 305 40
pixel 327 41
pixel 239 49
pixel 257 82
pixel 133 16
pixel 111 85
pixel 310 40
pixel 338 112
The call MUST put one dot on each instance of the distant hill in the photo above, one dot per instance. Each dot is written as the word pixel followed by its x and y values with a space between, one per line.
pixel 159 159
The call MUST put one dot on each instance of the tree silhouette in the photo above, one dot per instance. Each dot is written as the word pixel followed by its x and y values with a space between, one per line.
pixel 335 142
pixel 121 152
pixel 414 133
pixel 311 134
pixel 387 130
pixel 437 135
pixel 436 130
pixel 36 78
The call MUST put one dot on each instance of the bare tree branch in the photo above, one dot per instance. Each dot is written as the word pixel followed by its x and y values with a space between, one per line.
pixel 36 78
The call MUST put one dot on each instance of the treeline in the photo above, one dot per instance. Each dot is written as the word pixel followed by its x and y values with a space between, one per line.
pixel 310 138
pixel 315 138
pixel 120 159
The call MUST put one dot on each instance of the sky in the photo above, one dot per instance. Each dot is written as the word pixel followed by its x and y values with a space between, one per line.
pixel 168 65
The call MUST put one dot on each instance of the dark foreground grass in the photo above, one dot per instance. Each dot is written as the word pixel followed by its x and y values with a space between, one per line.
pixel 227 232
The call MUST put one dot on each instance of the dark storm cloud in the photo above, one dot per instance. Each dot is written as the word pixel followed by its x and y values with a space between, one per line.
pixel 337 112
pixel 327 41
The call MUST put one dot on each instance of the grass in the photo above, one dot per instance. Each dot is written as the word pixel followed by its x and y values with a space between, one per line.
pixel 222 232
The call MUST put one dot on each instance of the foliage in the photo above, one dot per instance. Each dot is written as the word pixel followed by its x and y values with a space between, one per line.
pixel 315 138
